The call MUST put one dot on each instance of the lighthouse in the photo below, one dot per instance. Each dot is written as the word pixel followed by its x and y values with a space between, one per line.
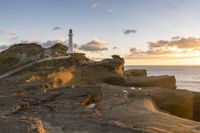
pixel 70 43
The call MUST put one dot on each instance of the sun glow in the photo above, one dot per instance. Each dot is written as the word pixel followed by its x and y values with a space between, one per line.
pixel 178 59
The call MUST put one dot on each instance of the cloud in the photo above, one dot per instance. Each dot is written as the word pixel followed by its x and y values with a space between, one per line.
pixel 173 48
pixel 3 47
pixel 76 45
pixel 129 31
pixel 26 41
pixel 1 31
pixel 57 28
pixel 13 32
pixel 14 38
pixel 175 37
pixel 179 42
pixel 110 11
pixel 114 48
pixel 94 45
pixel 94 6
pixel 50 43
pixel 172 6
pixel 45 44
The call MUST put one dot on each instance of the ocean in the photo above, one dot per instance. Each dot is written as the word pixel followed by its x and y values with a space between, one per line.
pixel 187 77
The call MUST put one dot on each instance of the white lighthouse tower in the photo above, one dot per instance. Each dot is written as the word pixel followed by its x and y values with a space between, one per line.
pixel 70 43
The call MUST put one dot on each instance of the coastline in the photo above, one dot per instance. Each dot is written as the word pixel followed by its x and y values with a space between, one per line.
pixel 91 96
pixel 189 82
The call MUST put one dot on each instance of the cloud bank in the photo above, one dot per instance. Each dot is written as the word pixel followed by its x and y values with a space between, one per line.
pixel 176 47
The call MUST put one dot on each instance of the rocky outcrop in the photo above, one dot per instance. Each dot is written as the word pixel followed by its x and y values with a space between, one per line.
pixel 76 70
pixel 166 82
pixel 136 72
pixel 59 48
pixel 137 108
pixel 117 80
pixel 99 108
pixel 182 103
pixel 21 54
pixel 16 55
pixel 30 49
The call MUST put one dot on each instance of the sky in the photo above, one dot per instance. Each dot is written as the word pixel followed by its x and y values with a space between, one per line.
pixel 144 32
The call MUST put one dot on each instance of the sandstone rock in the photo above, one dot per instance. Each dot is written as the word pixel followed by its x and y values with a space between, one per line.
pixel 75 70
pixel 139 108
pixel 136 72
pixel 115 80
pixel 167 82
pixel 29 48
pixel 17 54
pixel 182 103
pixel 59 49
pixel 21 54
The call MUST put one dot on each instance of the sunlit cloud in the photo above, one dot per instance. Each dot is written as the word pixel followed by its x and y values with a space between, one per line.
pixel 182 43
pixel 177 47
pixel 94 45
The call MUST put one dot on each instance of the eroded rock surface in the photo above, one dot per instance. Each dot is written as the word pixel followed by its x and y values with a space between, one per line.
pixel 116 109
pixel 136 72
pixel 165 82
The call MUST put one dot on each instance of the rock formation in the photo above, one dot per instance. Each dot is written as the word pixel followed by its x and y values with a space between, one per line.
pixel 165 82
pixel 59 93
pixel 136 72
pixel 21 54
